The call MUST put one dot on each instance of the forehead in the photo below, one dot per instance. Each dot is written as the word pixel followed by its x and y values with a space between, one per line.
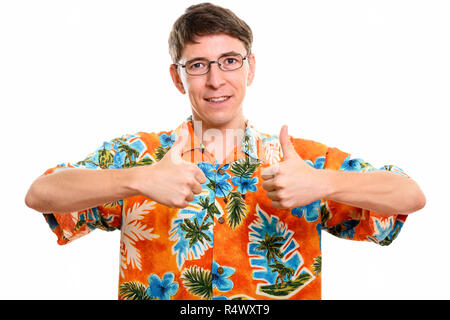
pixel 212 46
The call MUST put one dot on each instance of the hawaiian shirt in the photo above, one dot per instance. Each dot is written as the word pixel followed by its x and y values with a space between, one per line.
pixel 229 242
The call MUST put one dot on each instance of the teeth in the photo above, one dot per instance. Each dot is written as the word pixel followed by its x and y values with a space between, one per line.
pixel 217 99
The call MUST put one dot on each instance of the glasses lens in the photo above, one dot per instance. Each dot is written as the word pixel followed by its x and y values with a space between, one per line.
pixel 197 67
pixel 229 63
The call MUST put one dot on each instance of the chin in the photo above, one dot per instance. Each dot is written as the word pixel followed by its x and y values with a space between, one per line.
pixel 219 118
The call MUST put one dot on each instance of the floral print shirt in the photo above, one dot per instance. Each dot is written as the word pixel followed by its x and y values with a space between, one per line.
pixel 228 243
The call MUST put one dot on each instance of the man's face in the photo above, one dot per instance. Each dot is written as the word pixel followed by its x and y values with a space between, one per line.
pixel 202 89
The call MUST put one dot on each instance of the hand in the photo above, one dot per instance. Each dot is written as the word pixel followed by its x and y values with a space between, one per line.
pixel 173 181
pixel 292 182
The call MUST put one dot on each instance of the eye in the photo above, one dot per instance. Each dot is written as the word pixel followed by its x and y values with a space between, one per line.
pixel 230 60
pixel 196 65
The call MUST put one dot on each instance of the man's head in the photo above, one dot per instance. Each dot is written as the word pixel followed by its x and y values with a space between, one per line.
pixel 204 19
pixel 213 33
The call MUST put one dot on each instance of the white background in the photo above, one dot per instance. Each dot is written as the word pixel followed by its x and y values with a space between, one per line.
pixel 369 77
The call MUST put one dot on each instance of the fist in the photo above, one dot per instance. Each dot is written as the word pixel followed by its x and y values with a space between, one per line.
pixel 292 182
pixel 173 181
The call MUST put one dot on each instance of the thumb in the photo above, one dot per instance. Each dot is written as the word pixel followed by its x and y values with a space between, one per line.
pixel 177 148
pixel 286 145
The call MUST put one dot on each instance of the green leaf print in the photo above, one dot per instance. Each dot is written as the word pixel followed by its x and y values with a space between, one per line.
pixel 237 208
pixel 317 265
pixel 244 168
pixel 105 158
pixel 198 282
pixel 133 291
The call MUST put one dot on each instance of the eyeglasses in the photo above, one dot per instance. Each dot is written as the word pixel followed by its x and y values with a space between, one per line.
pixel 198 67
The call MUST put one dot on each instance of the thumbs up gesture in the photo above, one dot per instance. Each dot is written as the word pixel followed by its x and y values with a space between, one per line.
pixel 172 181
pixel 292 182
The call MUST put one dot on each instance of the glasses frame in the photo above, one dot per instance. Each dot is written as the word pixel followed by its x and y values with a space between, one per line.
pixel 211 62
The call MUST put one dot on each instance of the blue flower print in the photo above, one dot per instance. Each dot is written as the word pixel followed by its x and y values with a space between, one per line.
pixel 162 289
pixel 245 184
pixel 351 164
pixel 319 163
pixel 223 188
pixel 221 173
pixel 220 276
pixel 166 140
pixel 383 230
pixel 218 177
pixel 210 171
pixel 349 231
pixel 311 211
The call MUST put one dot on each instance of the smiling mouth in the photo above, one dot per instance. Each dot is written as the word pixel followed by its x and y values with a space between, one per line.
pixel 218 99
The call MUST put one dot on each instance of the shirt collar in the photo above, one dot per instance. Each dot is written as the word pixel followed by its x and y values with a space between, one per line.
pixel 250 145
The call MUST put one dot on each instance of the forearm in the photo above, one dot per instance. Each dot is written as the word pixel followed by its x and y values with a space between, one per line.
pixel 379 191
pixel 78 189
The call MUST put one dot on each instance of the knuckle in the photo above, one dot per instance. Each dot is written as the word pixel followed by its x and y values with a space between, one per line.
pixel 185 191
pixel 198 188
pixel 281 169
pixel 276 204
pixel 285 203
pixel 278 183
pixel 190 181
pixel 180 203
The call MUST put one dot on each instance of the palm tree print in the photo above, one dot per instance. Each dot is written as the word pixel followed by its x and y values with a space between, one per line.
pixel 271 244
pixel 283 271
pixel 131 154
pixel 194 232
pixel 211 208
pixel 191 228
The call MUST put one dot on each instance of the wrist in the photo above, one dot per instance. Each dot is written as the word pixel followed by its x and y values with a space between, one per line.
pixel 329 183
pixel 134 178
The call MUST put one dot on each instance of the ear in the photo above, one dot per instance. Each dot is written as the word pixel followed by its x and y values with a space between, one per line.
pixel 251 71
pixel 176 79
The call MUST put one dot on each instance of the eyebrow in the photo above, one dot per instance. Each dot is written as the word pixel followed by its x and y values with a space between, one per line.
pixel 229 53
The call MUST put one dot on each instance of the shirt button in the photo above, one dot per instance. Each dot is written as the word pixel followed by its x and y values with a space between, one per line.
pixel 219 270
pixel 221 220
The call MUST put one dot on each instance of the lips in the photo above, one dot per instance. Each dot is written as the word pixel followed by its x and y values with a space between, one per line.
pixel 217 99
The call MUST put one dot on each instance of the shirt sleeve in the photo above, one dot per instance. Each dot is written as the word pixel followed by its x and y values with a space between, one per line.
pixel 123 152
pixel 353 223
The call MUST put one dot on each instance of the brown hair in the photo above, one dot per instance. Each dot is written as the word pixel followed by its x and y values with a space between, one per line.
pixel 203 19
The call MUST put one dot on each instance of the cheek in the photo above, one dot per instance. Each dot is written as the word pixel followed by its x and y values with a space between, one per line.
pixel 194 88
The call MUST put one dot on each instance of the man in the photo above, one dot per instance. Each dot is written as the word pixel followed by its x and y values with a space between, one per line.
pixel 215 209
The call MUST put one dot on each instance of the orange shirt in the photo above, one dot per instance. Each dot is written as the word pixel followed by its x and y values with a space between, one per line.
pixel 228 243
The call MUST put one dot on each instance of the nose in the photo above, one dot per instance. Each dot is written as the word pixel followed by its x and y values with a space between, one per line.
pixel 215 76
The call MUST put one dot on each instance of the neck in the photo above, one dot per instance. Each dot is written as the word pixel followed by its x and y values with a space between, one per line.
pixel 220 140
